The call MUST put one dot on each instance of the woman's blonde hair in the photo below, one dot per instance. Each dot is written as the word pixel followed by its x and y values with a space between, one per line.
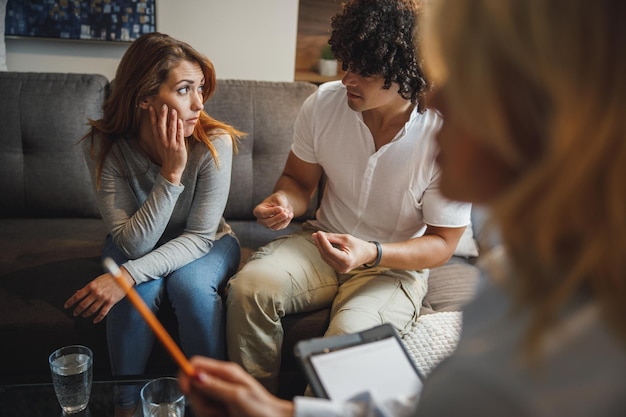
pixel 543 82
pixel 143 68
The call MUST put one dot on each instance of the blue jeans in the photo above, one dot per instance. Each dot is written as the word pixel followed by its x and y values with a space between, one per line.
pixel 193 293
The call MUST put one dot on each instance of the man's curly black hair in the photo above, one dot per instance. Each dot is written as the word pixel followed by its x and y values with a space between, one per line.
pixel 377 37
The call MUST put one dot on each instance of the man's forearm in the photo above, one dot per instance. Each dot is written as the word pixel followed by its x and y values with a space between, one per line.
pixel 298 195
pixel 428 251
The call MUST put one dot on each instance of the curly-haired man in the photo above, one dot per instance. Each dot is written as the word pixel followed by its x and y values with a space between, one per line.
pixel 382 221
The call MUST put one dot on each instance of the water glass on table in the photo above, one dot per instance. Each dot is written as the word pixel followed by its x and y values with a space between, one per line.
pixel 72 371
pixel 162 397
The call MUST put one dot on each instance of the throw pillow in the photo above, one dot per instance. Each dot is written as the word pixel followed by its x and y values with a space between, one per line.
pixel 467 246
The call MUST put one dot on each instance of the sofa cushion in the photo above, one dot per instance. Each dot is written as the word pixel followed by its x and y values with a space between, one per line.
pixel 26 243
pixel 263 152
pixel 253 235
pixel 450 286
pixel 42 116
pixel 39 324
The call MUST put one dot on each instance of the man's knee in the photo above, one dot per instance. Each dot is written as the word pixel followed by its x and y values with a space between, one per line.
pixel 256 281
pixel 352 321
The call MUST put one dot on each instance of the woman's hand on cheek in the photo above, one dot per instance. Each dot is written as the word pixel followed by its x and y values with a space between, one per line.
pixel 170 143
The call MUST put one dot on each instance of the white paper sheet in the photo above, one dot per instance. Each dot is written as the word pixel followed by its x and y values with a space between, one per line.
pixel 380 367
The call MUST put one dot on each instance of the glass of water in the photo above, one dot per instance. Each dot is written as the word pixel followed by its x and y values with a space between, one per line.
pixel 162 397
pixel 72 371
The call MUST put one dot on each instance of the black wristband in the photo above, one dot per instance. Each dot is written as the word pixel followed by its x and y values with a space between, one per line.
pixel 379 255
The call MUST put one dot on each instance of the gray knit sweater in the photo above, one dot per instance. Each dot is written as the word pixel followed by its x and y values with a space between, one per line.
pixel 158 225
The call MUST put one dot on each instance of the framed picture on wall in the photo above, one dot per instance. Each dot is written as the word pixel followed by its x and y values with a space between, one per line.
pixel 100 20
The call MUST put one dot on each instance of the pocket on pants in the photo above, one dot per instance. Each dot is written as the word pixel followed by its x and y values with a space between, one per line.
pixel 403 307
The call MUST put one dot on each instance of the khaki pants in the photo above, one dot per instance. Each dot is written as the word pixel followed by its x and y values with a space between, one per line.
pixel 288 276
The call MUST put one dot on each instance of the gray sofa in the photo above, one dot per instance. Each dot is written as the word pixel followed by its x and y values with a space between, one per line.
pixel 51 234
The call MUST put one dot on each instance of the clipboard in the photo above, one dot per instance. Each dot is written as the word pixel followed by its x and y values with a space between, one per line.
pixel 374 360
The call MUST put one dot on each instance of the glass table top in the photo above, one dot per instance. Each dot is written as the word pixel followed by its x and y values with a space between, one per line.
pixel 39 399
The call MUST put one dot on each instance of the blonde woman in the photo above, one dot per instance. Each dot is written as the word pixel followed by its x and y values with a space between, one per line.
pixel 533 95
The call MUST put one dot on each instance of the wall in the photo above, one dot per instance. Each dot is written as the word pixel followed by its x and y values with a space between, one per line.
pixel 245 39
pixel 313 31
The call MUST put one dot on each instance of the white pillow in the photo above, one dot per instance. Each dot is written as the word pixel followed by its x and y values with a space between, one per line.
pixel 433 338
pixel 467 246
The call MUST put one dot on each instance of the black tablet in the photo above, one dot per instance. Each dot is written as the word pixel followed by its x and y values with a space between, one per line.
pixel 374 360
